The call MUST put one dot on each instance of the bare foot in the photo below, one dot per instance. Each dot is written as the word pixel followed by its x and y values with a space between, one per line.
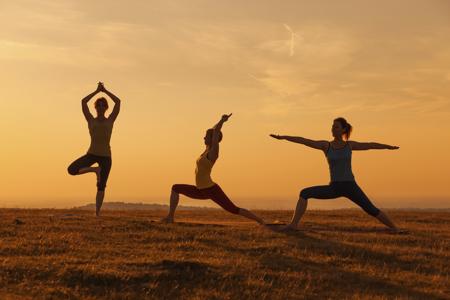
pixel 166 220
pixel 397 231
pixel 289 227
pixel 273 227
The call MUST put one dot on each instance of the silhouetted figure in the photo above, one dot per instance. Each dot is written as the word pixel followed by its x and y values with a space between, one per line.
pixel 342 183
pixel 100 130
pixel 204 187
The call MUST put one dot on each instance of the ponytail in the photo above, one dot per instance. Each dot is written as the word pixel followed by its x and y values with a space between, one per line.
pixel 346 126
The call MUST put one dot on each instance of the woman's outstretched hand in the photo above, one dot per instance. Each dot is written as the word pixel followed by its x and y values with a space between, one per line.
pixel 276 136
pixel 225 117
pixel 393 147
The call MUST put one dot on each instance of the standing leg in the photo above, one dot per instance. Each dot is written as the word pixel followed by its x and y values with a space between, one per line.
pixel 105 167
pixel 99 202
pixel 318 192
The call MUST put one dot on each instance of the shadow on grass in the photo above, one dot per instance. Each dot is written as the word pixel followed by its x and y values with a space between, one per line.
pixel 332 228
pixel 191 225
pixel 167 279
pixel 334 271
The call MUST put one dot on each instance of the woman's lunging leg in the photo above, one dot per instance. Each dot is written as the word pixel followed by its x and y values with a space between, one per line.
pixel 300 209
pixel 174 199
pixel 318 192
pixel 190 191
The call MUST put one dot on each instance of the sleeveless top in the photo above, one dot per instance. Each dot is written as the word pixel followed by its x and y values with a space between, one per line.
pixel 100 132
pixel 203 172
pixel 340 163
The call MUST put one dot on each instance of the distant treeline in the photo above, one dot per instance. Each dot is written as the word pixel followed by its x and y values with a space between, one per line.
pixel 139 206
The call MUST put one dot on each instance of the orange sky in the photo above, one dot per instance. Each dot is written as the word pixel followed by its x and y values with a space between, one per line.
pixel 179 65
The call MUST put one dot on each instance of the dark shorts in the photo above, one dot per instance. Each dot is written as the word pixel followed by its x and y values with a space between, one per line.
pixel 214 193
pixel 104 162
pixel 348 189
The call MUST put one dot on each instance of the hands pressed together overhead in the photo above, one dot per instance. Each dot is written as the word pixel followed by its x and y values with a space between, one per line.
pixel 225 117
pixel 100 87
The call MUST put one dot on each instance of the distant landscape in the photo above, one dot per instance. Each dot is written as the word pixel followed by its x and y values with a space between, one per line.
pixel 139 206
pixel 154 206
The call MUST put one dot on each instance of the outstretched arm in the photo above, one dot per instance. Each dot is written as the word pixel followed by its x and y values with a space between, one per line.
pixel 368 146
pixel 84 103
pixel 213 153
pixel 116 101
pixel 321 145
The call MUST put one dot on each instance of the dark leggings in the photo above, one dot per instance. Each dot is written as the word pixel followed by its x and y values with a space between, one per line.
pixel 104 162
pixel 214 193
pixel 348 189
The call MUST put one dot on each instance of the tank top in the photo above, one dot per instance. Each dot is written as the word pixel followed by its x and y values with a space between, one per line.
pixel 340 163
pixel 100 132
pixel 203 172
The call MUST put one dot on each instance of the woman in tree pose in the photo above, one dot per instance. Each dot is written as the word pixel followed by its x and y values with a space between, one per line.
pixel 100 130
pixel 204 187
pixel 342 183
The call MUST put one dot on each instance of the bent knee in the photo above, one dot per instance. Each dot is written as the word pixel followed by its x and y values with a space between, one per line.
pixel 304 194
pixel 176 188
pixel 72 170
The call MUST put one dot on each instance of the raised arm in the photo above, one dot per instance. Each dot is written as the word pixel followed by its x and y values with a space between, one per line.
pixel 368 146
pixel 84 103
pixel 116 101
pixel 213 153
pixel 321 145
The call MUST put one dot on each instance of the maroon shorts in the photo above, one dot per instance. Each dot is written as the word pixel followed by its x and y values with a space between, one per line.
pixel 214 193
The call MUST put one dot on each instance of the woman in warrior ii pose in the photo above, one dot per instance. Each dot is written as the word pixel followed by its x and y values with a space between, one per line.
pixel 205 188
pixel 100 130
pixel 342 184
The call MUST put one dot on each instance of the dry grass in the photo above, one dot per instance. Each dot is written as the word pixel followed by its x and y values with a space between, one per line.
pixel 213 255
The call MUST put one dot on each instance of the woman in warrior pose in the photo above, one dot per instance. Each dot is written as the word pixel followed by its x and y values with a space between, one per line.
pixel 342 183
pixel 100 130
pixel 205 188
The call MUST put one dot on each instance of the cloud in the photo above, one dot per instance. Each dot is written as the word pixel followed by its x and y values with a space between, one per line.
pixel 292 40
pixel 333 60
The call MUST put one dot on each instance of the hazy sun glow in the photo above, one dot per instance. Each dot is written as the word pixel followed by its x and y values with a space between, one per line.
pixel 285 67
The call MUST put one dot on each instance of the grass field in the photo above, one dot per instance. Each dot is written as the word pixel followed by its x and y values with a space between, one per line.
pixel 69 254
